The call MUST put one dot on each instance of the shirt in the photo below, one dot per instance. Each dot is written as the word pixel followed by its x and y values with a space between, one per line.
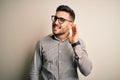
pixel 58 60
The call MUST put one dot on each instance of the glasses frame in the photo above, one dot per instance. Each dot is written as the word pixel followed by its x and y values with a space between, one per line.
pixel 60 19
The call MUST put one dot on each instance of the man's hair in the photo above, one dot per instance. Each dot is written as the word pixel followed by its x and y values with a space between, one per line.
pixel 66 9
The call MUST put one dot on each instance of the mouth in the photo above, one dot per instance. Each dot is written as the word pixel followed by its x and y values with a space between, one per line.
pixel 55 27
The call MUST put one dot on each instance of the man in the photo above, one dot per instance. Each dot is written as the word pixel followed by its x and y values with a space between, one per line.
pixel 57 56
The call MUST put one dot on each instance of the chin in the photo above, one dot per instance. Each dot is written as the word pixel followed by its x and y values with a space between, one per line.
pixel 56 33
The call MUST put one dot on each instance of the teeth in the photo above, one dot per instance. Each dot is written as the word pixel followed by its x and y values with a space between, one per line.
pixel 56 27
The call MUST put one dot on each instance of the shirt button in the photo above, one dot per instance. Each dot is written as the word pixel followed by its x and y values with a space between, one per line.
pixel 60 62
pixel 60 51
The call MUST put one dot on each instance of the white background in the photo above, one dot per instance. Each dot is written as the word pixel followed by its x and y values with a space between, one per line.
pixel 24 22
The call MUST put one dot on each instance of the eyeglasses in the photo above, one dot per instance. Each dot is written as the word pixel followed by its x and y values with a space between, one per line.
pixel 60 20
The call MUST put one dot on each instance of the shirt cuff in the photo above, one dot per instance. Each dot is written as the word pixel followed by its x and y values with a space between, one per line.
pixel 75 44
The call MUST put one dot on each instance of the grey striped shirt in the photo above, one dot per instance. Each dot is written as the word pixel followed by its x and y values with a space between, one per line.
pixel 56 60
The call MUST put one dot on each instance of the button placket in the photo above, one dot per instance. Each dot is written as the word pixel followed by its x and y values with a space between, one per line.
pixel 59 60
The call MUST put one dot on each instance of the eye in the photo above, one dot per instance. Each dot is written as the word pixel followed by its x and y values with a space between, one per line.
pixel 55 18
pixel 62 20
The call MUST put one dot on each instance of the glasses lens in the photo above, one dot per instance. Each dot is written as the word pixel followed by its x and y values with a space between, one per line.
pixel 54 18
pixel 61 20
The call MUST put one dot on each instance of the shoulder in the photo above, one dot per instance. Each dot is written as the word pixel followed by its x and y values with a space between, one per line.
pixel 46 40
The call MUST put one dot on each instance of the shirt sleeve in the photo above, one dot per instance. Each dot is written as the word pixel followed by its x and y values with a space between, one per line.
pixel 36 63
pixel 81 58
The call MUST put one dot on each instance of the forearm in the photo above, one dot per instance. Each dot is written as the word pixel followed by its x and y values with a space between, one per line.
pixel 82 60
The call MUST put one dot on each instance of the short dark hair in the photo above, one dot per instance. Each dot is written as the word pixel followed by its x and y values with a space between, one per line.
pixel 66 9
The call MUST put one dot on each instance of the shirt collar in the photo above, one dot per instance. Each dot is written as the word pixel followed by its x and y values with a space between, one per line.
pixel 54 37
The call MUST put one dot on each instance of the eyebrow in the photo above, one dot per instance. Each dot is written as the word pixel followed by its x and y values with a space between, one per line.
pixel 63 18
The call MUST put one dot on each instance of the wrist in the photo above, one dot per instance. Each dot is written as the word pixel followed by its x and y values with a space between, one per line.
pixel 75 43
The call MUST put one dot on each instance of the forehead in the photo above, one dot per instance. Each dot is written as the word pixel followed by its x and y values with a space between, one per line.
pixel 62 14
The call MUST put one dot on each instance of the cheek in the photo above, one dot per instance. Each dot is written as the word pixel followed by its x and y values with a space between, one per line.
pixel 66 25
pixel 65 28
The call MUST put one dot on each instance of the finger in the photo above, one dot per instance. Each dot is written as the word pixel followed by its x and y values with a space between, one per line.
pixel 74 28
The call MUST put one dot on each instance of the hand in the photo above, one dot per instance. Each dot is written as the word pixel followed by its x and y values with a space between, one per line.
pixel 74 37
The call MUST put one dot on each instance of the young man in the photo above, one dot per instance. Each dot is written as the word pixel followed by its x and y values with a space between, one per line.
pixel 57 56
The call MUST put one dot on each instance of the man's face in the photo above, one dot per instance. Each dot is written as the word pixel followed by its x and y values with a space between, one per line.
pixel 61 28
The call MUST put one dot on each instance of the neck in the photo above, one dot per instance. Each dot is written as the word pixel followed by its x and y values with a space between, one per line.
pixel 62 37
